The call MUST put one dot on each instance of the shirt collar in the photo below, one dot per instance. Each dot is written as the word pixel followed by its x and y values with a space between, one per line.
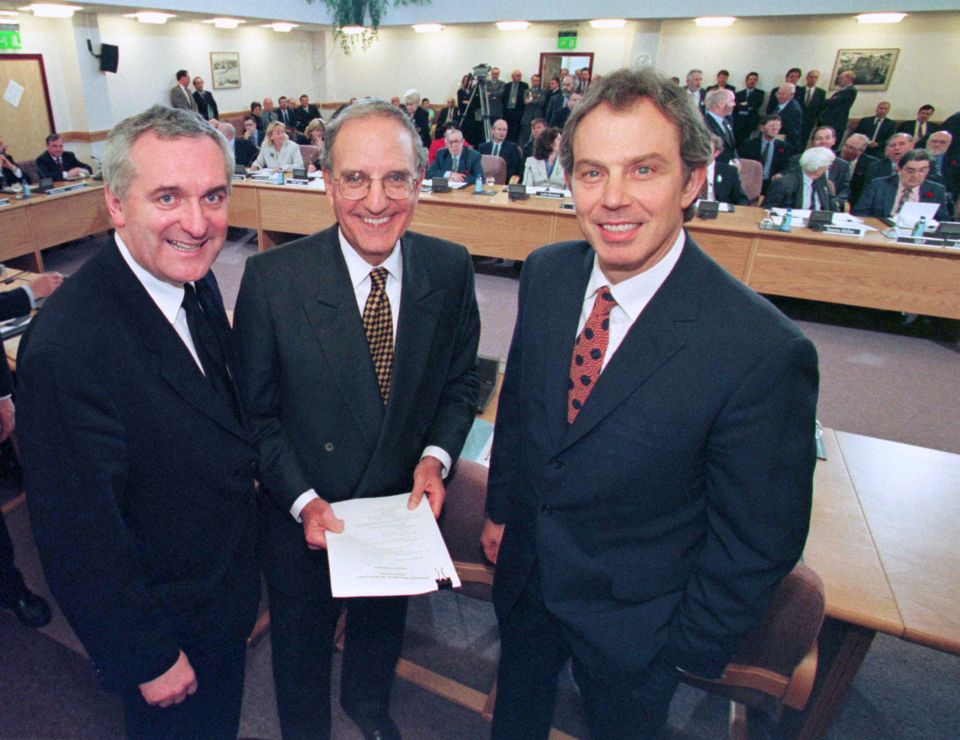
pixel 167 296
pixel 719 119
pixel 359 268
pixel 633 295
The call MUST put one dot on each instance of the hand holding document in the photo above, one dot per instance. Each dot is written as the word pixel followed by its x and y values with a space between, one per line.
pixel 387 550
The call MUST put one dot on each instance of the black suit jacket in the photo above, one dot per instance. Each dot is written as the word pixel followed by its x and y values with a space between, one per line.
pixel 47 167
pixel 13 303
pixel 811 111
pixel 302 116
pixel 880 195
pixel 312 390
pixel 911 127
pixel 836 110
pixel 746 113
pixel 787 192
pixel 791 118
pixel 753 149
pixel 445 116
pixel 866 126
pixel 206 105
pixel 286 117
pixel 244 151
pixel 772 102
pixel 513 116
pixel 555 111
pixel 729 147
pixel 880 168
pixel 8 177
pixel 726 185
pixel 511 154
pixel 140 476
pixel 858 178
pixel 663 518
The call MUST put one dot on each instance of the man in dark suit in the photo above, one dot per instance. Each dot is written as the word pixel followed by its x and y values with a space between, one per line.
pixel 722 82
pixel 839 172
pixel 853 155
pixel 897 145
pixel 135 452
pixel 878 128
pixel 206 105
pixel 920 128
pixel 791 117
pixel 719 105
pixel 514 101
pixel 495 88
pixel 10 173
pixel 342 412
pixel 885 196
pixel 748 103
pixel 557 110
pixel 811 99
pixel 57 164
pixel 805 186
pixel 456 161
pixel 723 180
pixel 652 467
pixel 791 78
pixel 500 146
pixel 445 116
pixel 244 152
pixel 32 610
pixel 305 113
pixel 938 144
pixel 835 111
pixel 767 149
pixel 285 112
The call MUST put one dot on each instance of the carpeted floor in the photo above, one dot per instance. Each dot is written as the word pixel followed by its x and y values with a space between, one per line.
pixel 877 378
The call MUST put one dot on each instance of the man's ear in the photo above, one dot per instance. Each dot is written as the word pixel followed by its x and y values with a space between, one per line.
pixel 115 208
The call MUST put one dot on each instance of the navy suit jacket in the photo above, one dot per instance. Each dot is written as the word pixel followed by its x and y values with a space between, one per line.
pixel 312 390
pixel 753 149
pixel 879 196
pixel 13 303
pixel 663 518
pixel 470 164
pixel 746 115
pixel 141 477
pixel 726 185
pixel 47 167
pixel 511 154
pixel 791 118
pixel 206 105
pixel 729 147
pixel 836 110
pixel 866 126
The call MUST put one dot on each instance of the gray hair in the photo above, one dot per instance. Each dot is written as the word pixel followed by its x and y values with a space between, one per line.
pixel 164 123
pixel 860 141
pixel 372 108
pixel 621 90
pixel 693 72
pixel 715 96
pixel 411 97
pixel 228 130
pixel 815 158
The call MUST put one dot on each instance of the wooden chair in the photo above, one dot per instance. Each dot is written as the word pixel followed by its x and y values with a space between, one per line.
pixel 309 152
pixel 30 171
pixel 751 177
pixel 495 167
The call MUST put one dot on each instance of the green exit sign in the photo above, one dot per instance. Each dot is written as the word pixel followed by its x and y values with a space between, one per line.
pixel 567 40
pixel 10 37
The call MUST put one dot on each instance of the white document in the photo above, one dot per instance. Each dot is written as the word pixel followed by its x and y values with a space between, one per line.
pixel 387 550
pixel 13 93
pixel 913 211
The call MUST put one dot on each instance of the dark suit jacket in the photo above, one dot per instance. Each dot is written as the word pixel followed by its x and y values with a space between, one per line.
pixel 836 110
pixel 303 116
pixel 879 196
pixel 787 192
pixel 313 393
pixel 511 154
pixel 792 126
pixel 728 86
pixel 858 179
pixel 729 147
pixel 726 185
pixel 47 167
pixel 556 106
pixel 950 171
pixel 866 126
pixel 206 105
pixel 469 164
pixel 513 116
pixel 910 127
pixel 772 102
pixel 663 518
pixel 8 178
pixel 421 121
pixel 244 151
pixel 753 149
pixel 880 168
pixel 811 112
pixel 746 114
pixel 445 116
pixel 13 303
pixel 140 476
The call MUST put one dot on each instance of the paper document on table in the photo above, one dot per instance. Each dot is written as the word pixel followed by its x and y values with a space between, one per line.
pixel 387 550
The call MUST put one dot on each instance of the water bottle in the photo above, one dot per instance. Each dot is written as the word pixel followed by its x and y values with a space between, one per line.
pixel 787 220
pixel 479 188
pixel 920 227
pixel 26 188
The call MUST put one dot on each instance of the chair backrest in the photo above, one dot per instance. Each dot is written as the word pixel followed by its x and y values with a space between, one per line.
pixel 495 167
pixel 462 522
pixel 30 171
pixel 309 152
pixel 751 177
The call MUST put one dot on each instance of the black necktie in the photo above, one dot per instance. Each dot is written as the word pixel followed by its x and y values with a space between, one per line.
pixel 209 349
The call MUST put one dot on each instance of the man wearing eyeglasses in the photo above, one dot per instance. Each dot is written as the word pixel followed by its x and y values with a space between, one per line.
pixel 885 196
pixel 359 350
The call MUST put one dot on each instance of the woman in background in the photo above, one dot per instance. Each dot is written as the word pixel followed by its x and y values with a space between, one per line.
pixel 544 169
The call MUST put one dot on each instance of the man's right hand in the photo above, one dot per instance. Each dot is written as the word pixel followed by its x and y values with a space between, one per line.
pixel 318 518
pixel 45 284
pixel 171 687
pixel 457 177
pixel 490 539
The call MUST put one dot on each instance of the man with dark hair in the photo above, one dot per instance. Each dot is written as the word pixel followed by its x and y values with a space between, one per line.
pixel 748 103
pixel 557 111
pixel 536 126
pixel 920 128
pixel 305 113
pixel 722 76
pixel 878 128
pixel 180 96
pixel 651 475
pixel 359 349
pixel 135 449
pixel 791 78
pixel 206 105
pixel 835 111
pixel 885 196
pixel 57 164
pixel 767 149
pixel 285 112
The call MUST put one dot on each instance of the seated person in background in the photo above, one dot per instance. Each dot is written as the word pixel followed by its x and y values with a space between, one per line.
pixel 244 152
pixel 723 179
pixel 885 196
pixel 500 146
pixel 306 113
pixel 285 113
pixel 919 128
pixel 295 136
pixel 544 169
pixel 897 146
pixel 938 144
pixel 251 132
pixel 10 174
pixel 767 149
pixel 877 128
pixel 267 114
pixel 536 126
pixel 315 133
pixel 839 172
pixel 278 152
pixel 418 114
pixel 454 161
pixel 58 164
pixel 853 155
pixel 807 186
pixel 572 102
pixel 256 110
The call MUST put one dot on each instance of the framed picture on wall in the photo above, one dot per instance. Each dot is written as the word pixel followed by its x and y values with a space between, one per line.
pixel 225 68
pixel 873 67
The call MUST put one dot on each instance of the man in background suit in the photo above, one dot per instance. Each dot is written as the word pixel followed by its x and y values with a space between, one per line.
pixel 791 117
pixel 835 111
pixel 722 76
pixel 495 88
pixel 557 106
pixel 359 349
pixel 305 113
pixel 244 151
pixel 791 78
pixel 877 128
pixel 695 93
pixel 447 115
pixel 897 145
pixel 135 451
pixel 57 164
pixel 723 180
pixel 805 186
pixel 811 99
pixel 180 96
pixel 748 103
pixel 269 114
pixel 839 172
pixel 285 112
pixel 652 467
pixel 938 144
pixel 767 149
pixel 500 146
pixel 206 105
pixel 456 161
pixel 885 196
pixel 858 162
pixel 514 101
pixel 719 105
pixel 920 128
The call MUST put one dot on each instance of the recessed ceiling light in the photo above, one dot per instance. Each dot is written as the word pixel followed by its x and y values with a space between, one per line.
pixel 228 23
pixel 715 21
pixel 513 25
pixel 149 16
pixel 608 23
pixel 51 10
pixel 427 27
pixel 881 17
pixel 281 27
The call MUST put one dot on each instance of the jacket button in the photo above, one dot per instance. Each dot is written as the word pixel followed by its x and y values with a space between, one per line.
pixel 328 447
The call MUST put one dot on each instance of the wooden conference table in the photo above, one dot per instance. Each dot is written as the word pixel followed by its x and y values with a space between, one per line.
pixel 872 272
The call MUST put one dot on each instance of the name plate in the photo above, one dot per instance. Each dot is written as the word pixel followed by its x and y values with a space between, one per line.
pixel 548 194
pixel 296 181
pixel 238 177
pixel 4 202
pixel 928 241
pixel 66 189
pixel 843 230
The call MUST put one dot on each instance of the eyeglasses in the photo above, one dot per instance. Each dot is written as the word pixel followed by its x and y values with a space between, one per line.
pixel 908 170
pixel 356 185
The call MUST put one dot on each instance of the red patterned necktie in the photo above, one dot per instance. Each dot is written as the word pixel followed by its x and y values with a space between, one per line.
pixel 378 325
pixel 588 352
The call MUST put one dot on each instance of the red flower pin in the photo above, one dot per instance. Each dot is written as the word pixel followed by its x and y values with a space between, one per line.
pixel 928 194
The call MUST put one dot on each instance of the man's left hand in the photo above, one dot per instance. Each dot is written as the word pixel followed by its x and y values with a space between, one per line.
pixel 7 419
pixel 428 479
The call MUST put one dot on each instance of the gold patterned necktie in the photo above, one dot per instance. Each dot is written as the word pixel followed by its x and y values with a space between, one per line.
pixel 378 326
